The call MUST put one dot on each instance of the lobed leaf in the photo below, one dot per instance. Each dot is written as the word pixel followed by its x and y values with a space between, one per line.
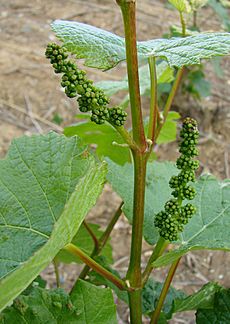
pixel 42 180
pixel 103 50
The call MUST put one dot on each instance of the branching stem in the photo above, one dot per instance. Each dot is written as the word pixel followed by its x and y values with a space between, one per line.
pixel 164 292
pixel 73 249
pixel 91 233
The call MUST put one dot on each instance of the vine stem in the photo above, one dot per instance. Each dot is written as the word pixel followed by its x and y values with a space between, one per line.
pixel 153 102
pixel 57 275
pixel 164 292
pixel 133 276
pixel 73 249
pixel 128 9
pixel 183 24
pixel 102 241
pixel 158 251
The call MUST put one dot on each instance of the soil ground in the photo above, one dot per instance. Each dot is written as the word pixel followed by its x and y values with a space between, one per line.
pixel 30 97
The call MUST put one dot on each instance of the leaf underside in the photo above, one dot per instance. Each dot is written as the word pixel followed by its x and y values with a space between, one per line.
pixel 103 50
pixel 42 180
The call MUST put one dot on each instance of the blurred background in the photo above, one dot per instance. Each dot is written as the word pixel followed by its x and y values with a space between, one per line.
pixel 32 101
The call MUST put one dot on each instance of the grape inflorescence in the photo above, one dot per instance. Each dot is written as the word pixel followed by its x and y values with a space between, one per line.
pixel 171 221
pixel 76 84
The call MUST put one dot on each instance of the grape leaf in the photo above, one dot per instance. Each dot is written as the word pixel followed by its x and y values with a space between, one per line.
pixel 220 314
pixel 41 306
pixel 94 304
pixel 42 180
pixel 157 191
pixel 204 298
pixel 208 228
pixel 169 129
pixel 103 50
pixel 84 241
pixel 103 136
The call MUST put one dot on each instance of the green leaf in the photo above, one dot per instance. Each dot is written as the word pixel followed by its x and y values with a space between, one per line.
pixel 103 50
pixel 84 241
pixel 42 180
pixel 100 49
pixel 220 314
pixel 157 191
pixel 41 306
pixel 188 50
pixel 208 228
pixel 94 304
pixel 181 5
pixel 151 293
pixel 103 136
pixel 204 298
pixel 169 129
pixel 164 75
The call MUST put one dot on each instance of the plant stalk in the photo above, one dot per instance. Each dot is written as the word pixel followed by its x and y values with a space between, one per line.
pixel 164 292
pixel 73 249
pixel 91 233
pixel 157 252
pixel 134 271
pixel 153 102
pixel 128 9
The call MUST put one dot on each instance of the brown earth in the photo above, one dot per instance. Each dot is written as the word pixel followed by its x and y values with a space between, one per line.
pixel 30 96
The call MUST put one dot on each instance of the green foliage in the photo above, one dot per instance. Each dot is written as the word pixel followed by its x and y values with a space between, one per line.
pixel 89 305
pixel 84 241
pixel 164 75
pixel 103 136
pixel 41 306
pixel 109 48
pixel 169 129
pixel 203 298
pixel 157 191
pixel 220 313
pixel 43 178
pixel 94 304
pixel 151 293
pixel 196 84
pixel 208 228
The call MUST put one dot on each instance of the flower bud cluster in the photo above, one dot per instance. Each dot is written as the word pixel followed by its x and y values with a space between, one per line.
pixel 76 84
pixel 171 221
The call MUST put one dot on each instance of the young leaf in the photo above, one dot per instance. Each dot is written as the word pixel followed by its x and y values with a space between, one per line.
pixel 208 228
pixel 94 304
pixel 42 180
pixel 103 136
pixel 103 50
pixel 84 241
pixel 181 5
pixel 157 191
pixel 41 306
pixel 221 12
pixel 204 298
pixel 221 311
